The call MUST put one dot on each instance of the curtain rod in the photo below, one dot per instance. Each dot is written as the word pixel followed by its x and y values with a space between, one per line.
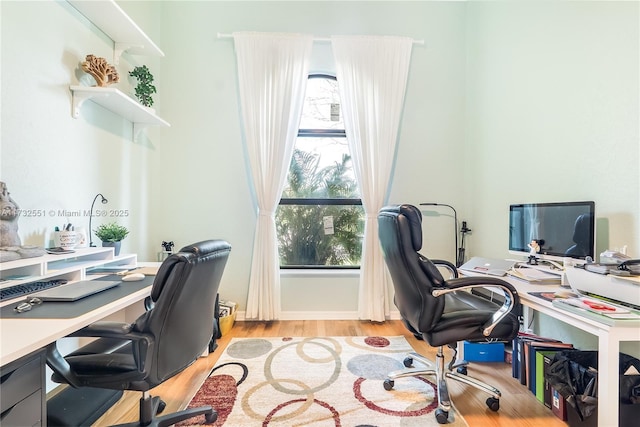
pixel 315 39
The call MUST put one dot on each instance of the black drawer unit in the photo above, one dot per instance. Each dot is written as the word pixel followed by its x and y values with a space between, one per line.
pixel 22 391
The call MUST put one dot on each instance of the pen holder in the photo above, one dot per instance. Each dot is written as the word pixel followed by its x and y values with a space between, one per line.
pixel 65 239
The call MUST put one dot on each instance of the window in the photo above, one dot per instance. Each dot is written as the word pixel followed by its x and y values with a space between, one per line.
pixel 320 219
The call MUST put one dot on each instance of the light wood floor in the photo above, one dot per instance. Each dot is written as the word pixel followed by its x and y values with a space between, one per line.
pixel 518 406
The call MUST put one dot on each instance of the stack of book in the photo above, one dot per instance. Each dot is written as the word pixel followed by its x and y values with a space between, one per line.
pixel 531 356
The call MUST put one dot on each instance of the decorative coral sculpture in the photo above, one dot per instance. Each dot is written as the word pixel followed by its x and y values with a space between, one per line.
pixel 103 72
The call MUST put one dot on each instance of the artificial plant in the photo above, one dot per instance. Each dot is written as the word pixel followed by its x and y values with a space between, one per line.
pixel 145 88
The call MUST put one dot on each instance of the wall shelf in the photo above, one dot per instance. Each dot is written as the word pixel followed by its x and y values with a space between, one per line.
pixel 116 24
pixel 126 36
pixel 117 102
pixel 71 266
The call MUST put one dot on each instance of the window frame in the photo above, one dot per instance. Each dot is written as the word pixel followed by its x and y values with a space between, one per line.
pixel 320 133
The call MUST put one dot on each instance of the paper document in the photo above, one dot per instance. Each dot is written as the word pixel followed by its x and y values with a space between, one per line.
pixel 632 279
pixel 603 308
pixel 533 275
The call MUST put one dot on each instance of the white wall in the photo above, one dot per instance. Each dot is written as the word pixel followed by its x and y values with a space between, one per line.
pixel 50 161
pixel 552 115
pixel 499 91
pixel 205 140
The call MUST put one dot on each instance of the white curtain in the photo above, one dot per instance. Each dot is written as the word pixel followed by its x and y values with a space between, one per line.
pixel 372 75
pixel 272 76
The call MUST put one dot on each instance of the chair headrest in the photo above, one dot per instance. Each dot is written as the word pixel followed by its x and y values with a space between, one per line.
pixel 205 247
pixel 194 253
pixel 414 218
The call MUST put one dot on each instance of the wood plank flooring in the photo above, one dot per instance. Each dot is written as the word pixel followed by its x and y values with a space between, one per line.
pixel 518 406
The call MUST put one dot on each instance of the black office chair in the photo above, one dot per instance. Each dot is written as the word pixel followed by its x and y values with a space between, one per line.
pixel 440 311
pixel 161 342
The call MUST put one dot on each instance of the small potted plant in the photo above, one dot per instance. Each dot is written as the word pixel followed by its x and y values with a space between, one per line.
pixel 145 88
pixel 111 235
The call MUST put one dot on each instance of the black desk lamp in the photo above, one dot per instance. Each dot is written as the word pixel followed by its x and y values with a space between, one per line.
pixel 458 261
pixel 91 245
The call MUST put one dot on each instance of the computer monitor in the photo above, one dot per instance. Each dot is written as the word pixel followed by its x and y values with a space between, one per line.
pixel 562 229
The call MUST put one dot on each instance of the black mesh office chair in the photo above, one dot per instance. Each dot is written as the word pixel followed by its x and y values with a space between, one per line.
pixel 161 342
pixel 440 311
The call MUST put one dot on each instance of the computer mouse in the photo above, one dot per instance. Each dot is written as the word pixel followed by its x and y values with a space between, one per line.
pixel 133 277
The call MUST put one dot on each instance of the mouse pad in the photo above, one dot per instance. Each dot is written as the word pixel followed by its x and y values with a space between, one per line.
pixel 67 310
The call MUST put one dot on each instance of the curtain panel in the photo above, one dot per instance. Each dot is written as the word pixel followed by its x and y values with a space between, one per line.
pixel 372 74
pixel 272 77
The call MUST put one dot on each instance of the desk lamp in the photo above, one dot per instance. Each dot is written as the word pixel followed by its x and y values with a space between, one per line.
pixel 104 201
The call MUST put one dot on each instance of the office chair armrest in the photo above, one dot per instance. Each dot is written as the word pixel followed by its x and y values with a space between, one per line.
pixel 140 343
pixel 446 264
pixel 105 330
pixel 511 298
pixel 60 366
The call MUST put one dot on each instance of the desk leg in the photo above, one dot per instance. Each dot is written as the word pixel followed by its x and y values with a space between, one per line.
pixel 527 317
pixel 460 350
pixel 608 381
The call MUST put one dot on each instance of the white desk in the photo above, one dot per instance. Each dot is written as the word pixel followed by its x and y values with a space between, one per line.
pixel 609 339
pixel 21 344
pixel 25 402
pixel 19 337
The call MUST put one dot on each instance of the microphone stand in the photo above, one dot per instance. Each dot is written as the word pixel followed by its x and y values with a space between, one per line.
pixel 455 228
pixel 463 230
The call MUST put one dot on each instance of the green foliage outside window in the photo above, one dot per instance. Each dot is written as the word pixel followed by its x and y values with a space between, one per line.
pixel 302 239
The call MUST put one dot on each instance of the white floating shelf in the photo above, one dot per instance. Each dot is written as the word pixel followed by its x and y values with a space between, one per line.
pixel 116 24
pixel 117 102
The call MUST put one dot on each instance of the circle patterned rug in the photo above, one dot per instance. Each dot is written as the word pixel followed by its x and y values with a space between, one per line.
pixel 319 381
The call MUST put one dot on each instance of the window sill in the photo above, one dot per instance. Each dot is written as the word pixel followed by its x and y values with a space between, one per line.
pixel 305 272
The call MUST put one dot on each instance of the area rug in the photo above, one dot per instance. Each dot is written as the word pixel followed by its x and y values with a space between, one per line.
pixel 319 381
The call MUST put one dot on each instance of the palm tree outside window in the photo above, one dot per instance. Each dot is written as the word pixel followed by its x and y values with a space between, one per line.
pixel 320 218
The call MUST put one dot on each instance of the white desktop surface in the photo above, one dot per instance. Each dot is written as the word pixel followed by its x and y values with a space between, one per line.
pixel 609 339
pixel 19 337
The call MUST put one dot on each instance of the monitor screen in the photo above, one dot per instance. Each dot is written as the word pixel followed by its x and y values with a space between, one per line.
pixel 561 229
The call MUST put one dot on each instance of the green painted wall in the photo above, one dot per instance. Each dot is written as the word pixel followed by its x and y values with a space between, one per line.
pixel 507 102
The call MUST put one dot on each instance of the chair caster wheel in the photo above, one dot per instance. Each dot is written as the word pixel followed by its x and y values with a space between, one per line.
pixel 493 404
pixel 442 416
pixel 210 418
pixel 388 384
pixel 161 405
pixel 408 362
pixel 462 370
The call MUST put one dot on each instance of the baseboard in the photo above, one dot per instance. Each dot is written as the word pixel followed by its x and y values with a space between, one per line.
pixel 320 315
